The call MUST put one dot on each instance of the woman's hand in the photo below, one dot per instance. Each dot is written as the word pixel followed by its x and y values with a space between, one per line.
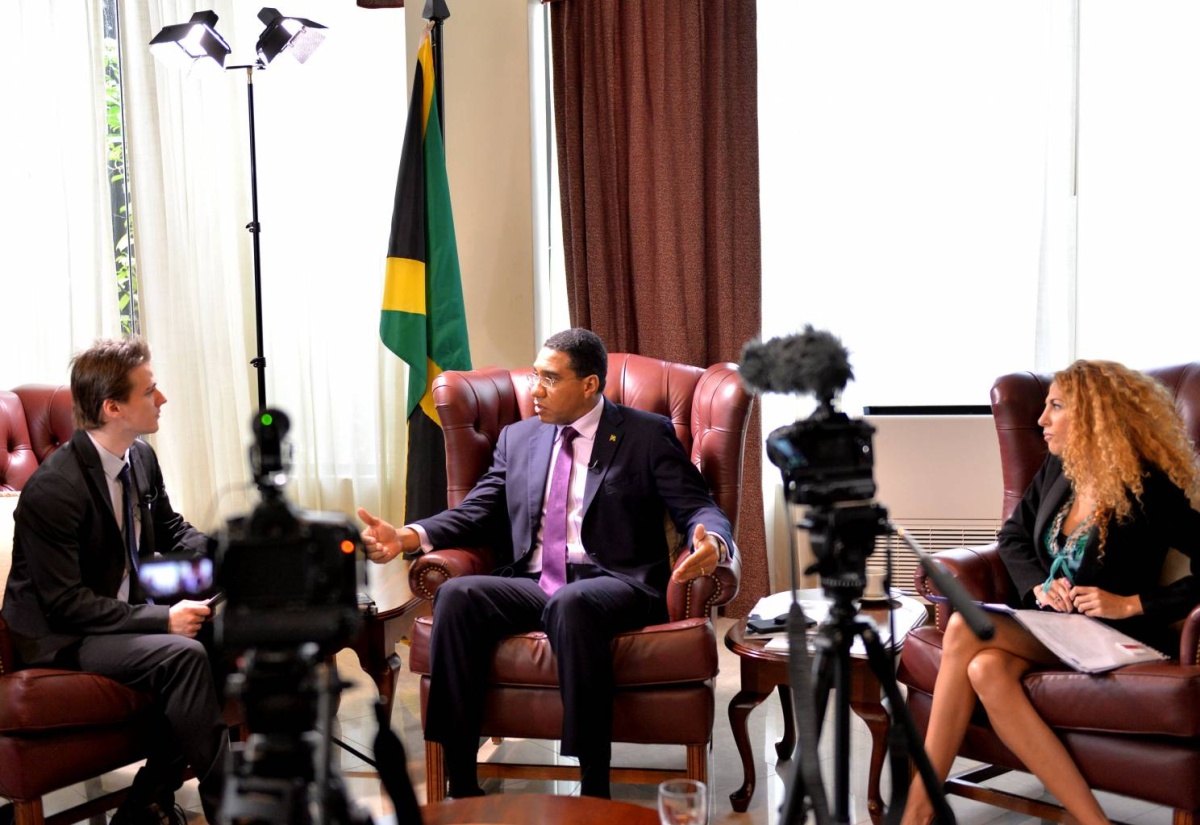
pixel 1058 597
pixel 1092 601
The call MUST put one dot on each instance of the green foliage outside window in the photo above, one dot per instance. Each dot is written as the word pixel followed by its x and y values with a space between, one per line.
pixel 118 183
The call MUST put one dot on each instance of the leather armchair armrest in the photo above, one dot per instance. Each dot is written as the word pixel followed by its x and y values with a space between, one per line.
pixel 8 661
pixel 978 569
pixel 692 600
pixel 697 598
pixel 1189 642
pixel 430 571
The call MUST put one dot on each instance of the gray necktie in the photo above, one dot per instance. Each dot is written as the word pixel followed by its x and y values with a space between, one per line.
pixel 130 528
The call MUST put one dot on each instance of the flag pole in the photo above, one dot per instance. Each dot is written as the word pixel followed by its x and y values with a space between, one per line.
pixel 436 11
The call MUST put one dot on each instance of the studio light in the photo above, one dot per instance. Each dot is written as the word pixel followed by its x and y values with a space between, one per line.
pixel 186 44
pixel 189 44
pixel 295 35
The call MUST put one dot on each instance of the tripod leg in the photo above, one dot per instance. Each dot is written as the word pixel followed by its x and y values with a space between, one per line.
pixel 881 665
pixel 840 809
pixel 787 745
pixel 823 673
pixel 864 701
pixel 810 693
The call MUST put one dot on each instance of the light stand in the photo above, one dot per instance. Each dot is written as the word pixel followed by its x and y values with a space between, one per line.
pixel 196 43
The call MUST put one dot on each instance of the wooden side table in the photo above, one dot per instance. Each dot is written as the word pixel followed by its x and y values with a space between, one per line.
pixel 765 671
pixel 535 809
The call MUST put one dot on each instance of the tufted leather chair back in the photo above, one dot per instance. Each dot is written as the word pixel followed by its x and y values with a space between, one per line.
pixel 708 408
pixel 1017 403
pixel 34 420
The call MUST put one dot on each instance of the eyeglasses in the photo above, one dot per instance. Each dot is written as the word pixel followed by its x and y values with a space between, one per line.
pixel 546 382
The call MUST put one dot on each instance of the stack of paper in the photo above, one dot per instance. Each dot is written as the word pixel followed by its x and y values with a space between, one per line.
pixel 1086 644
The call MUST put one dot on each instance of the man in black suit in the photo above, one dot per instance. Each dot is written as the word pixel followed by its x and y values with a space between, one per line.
pixel 73 599
pixel 626 470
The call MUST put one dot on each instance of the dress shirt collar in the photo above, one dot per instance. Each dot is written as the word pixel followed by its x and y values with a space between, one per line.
pixel 112 464
pixel 587 424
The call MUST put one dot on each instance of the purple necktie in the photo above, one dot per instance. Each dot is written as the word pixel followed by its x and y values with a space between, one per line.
pixel 554 526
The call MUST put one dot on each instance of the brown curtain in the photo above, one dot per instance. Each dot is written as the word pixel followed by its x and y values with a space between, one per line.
pixel 657 127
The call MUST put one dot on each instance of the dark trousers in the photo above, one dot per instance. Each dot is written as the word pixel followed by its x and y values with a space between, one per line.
pixel 471 614
pixel 176 670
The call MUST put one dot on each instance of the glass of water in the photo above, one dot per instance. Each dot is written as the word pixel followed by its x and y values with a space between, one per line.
pixel 683 802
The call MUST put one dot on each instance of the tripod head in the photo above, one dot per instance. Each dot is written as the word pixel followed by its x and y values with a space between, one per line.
pixel 842 538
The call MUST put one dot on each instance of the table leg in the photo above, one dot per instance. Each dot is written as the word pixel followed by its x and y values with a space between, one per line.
pixel 786 746
pixel 868 707
pixel 739 712
pixel 376 643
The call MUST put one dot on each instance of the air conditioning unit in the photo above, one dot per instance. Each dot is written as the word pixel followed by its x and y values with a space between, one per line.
pixel 939 478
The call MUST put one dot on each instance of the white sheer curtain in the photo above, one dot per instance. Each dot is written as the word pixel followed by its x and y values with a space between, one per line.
pixel 60 282
pixel 328 137
pixel 551 309
pixel 1139 182
pixel 1056 320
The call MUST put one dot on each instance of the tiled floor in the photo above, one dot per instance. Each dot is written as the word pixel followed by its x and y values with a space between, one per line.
pixel 356 726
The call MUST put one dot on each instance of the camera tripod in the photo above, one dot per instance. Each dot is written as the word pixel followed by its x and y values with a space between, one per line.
pixel 842 539
pixel 284 773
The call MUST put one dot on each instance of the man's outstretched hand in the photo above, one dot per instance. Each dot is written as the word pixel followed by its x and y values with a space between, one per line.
pixel 380 539
pixel 704 558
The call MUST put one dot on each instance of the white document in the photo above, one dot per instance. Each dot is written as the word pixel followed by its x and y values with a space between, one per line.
pixel 1085 644
pixel 812 602
pixel 908 615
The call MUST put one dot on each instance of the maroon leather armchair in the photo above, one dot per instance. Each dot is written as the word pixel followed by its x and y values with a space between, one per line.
pixel 57 727
pixel 665 672
pixel 1133 731
pixel 34 420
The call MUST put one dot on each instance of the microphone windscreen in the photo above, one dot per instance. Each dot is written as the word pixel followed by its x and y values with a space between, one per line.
pixel 755 367
pixel 813 361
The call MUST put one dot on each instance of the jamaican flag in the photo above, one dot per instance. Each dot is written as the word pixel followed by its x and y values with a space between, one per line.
pixel 423 320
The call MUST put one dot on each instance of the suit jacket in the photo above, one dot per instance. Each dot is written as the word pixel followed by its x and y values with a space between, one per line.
pixel 69 555
pixel 638 474
pixel 1133 553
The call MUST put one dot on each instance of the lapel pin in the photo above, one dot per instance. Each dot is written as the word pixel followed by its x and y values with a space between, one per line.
pixel 612 438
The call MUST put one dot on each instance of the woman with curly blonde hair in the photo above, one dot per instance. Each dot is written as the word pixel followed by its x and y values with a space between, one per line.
pixel 1118 489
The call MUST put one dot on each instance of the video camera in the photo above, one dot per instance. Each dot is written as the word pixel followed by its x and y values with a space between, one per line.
pixel 826 460
pixel 290 581
pixel 289 576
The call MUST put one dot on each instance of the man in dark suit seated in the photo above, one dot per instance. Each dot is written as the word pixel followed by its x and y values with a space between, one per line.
pixel 88 516
pixel 582 489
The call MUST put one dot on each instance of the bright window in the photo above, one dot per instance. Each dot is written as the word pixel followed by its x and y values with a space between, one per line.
pixel 903 155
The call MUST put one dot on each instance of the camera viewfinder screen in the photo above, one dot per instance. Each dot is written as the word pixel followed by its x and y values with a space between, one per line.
pixel 167 577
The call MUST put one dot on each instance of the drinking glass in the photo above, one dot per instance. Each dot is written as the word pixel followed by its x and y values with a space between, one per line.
pixel 683 802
